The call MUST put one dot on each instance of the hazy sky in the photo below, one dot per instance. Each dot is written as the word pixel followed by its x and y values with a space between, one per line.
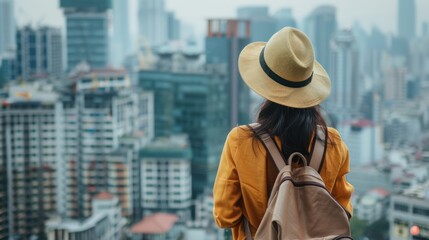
pixel 381 13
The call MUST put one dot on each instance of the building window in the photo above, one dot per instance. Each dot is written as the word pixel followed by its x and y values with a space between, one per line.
pixel 421 211
pixel 400 207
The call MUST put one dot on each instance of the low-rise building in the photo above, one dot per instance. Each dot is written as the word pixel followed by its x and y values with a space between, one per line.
pixel 157 226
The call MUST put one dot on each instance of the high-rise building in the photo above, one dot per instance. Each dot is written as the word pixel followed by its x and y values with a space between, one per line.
pixel 166 177
pixel 320 26
pixel 7 68
pixel 284 18
pixel 409 213
pixel 39 52
pixel 152 22
pixel 102 110
pixel 262 24
pixel 173 27
pixel 407 19
pixel 191 100
pixel 121 44
pixel 32 148
pixel 7 26
pixel 224 42
pixel 87 27
pixel 344 73
pixel 395 87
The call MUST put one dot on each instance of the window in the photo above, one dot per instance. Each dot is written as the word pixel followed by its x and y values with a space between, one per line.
pixel 400 207
pixel 421 211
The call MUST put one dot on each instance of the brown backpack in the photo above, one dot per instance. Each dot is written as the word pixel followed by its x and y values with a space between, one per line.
pixel 300 206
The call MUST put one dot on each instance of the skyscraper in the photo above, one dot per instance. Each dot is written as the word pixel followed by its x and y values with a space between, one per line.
pixel 407 19
pixel 122 45
pixel 39 52
pixel 31 136
pixel 224 42
pixel 191 100
pixel 7 26
pixel 345 92
pixel 87 27
pixel 152 22
pixel 284 18
pixel 321 26
pixel 262 24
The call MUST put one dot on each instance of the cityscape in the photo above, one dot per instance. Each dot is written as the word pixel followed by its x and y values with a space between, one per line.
pixel 105 135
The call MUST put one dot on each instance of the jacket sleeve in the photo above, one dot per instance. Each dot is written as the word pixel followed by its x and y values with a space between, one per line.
pixel 226 191
pixel 342 190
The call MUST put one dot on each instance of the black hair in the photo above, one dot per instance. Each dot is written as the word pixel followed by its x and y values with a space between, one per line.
pixel 294 126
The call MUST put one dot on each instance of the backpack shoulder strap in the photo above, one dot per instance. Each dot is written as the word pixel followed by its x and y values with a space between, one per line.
pixel 319 150
pixel 270 145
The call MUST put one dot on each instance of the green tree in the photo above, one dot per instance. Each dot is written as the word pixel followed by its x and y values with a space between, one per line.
pixel 358 228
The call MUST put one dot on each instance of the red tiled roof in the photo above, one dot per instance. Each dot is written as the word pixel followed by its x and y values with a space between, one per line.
pixel 157 223
pixel 104 196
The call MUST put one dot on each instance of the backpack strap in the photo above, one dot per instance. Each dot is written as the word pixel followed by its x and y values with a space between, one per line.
pixel 319 150
pixel 270 145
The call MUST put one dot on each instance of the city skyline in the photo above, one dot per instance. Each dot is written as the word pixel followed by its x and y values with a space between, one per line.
pixel 47 12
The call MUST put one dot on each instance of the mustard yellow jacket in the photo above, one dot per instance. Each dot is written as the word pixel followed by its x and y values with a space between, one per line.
pixel 245 176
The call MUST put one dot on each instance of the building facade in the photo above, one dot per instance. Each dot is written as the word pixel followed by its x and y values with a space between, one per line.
pixel 122 45
pixel 262 25
pixel 166 177
pixel 194 101
pixel 104 109
pixel 152 22
pixel 409 212
pixel 346 84
pixel 224 42
pixel 87 27
pixel 407 19
pixel 7 26
pixel 32 149
pixel 321 26
pixel 39 52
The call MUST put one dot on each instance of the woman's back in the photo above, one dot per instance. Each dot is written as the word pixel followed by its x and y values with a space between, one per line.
pixel 246 176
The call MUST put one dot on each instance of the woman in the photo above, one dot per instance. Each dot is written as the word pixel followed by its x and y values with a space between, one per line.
pixel 285 73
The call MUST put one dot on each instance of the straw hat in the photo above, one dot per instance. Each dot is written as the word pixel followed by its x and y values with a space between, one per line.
pixel 283 70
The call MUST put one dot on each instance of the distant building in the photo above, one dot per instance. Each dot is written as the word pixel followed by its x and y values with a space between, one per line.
pixel 284 18
pixel 174 27
pixel 7 69
pixel 103 110
pixel 364 141
pixel 166 177
pixel 372 206
pixel 262 24
pixel 407 19
pixel 105 222
pixel 409 214
pixel 395 87
pixel 224 42
pixel 39 52
pixel 347 85
pixel 121 45
pixel 320 26
pixel 32 151
pixel 152 22
pixel 87 31
pixel 7 26
pixel 157 226
pixel 366 178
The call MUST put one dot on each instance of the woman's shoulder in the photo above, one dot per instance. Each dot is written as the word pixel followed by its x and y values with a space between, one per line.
pixel 240 133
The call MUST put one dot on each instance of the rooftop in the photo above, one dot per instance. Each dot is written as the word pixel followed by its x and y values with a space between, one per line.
pixel 104 196
pixel 419 192
pixel 157 223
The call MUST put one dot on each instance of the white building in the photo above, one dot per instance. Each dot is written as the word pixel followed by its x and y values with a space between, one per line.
pixel 152 18
pixel 372 206
pixel 409 212
pixel 105 223
pixel 103 110
pixel 7 26
pixel 364 141
pixel 166 176
pixel 346 88
pixel 31 145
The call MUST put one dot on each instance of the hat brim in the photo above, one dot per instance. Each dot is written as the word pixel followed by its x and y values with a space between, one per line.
pixel 254 76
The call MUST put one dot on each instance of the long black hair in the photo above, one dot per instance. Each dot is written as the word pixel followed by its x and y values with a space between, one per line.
pixel 294 126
